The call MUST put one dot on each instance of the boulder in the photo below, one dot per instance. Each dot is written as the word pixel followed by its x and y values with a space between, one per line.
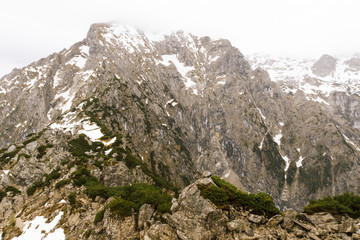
pixel 195 217
pixel 160 231
pixel 145 213
pixel 255 218
pixel 275 220
pixel 348 226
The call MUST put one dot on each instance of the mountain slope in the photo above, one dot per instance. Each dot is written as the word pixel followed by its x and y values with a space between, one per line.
pixel 163 112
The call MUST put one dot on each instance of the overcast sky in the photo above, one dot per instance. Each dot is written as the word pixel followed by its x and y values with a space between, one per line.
pixel 32 29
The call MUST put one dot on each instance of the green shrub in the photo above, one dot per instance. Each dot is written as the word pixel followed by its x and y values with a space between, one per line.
pixel 141 193
pixel 99 216
pixel 5 158
pixel 2 195
pixel 224 193
pixel 215 194
pixel 24 155
pixel 347 203
pixel 82 176
pixel 53 175
pixel 12 189
pixel 72 198
pixel 88 233
pixel 62 183
pixel 64 162
pixel 31 190
pixel 79 146
pixel 121 207
pixel 94 188
pixel 42 150
pixel 26 142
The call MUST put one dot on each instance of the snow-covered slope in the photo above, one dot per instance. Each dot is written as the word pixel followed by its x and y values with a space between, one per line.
pixel 301 74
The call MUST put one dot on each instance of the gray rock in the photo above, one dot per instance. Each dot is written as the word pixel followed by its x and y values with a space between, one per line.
pixel 160 231
pixel 275 220
pixel 255 218
pixel 145 213
pixel 324 66
pixel 348 226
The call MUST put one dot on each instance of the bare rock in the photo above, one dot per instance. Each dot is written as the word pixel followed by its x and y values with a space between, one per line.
pixel 321 218
pixel 196 217
pixel 116 173
pixel 255 218
pixel 275 220
pixel 348 226
pixel 287 224
pixel 160 231
pixel 324 66
pixel 145 213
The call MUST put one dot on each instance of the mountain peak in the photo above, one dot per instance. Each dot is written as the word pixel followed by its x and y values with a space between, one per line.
pixel 325 66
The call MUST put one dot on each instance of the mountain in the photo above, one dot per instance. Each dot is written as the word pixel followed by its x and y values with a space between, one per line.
pixel 119 108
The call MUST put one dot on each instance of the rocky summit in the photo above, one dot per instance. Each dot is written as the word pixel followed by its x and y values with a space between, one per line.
pixel 117 136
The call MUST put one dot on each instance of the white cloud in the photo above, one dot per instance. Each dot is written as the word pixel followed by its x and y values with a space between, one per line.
pixel 34 29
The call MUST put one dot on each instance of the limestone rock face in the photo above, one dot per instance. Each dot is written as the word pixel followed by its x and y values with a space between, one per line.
pixel 195 217
pixel 178 109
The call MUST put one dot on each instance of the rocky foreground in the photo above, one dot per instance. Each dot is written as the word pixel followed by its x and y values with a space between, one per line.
pixel 194 217
pixel 191 217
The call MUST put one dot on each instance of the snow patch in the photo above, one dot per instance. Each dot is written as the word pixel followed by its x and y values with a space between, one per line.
pixel 277 138
pixel 170 101
pixel 68 123
pixel 299 162
pixel 93 132
pixel 213 59
pixel 227 174
pixel 262 115
pixel 287 162
pixel 221 83
pixel 124 36
pixel 351 142
pixel 62 201
pixel 39 229
pixel 181 68
pixel 78 61
pixel 84 49
pixel 68 100
pixel 261 144
pixel 281 124
pixel 108 151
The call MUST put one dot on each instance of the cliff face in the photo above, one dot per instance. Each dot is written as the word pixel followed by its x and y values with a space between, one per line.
pixel 179 106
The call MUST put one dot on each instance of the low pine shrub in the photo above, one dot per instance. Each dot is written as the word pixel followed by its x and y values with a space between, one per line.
pixel 347 203
pixel 223 194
